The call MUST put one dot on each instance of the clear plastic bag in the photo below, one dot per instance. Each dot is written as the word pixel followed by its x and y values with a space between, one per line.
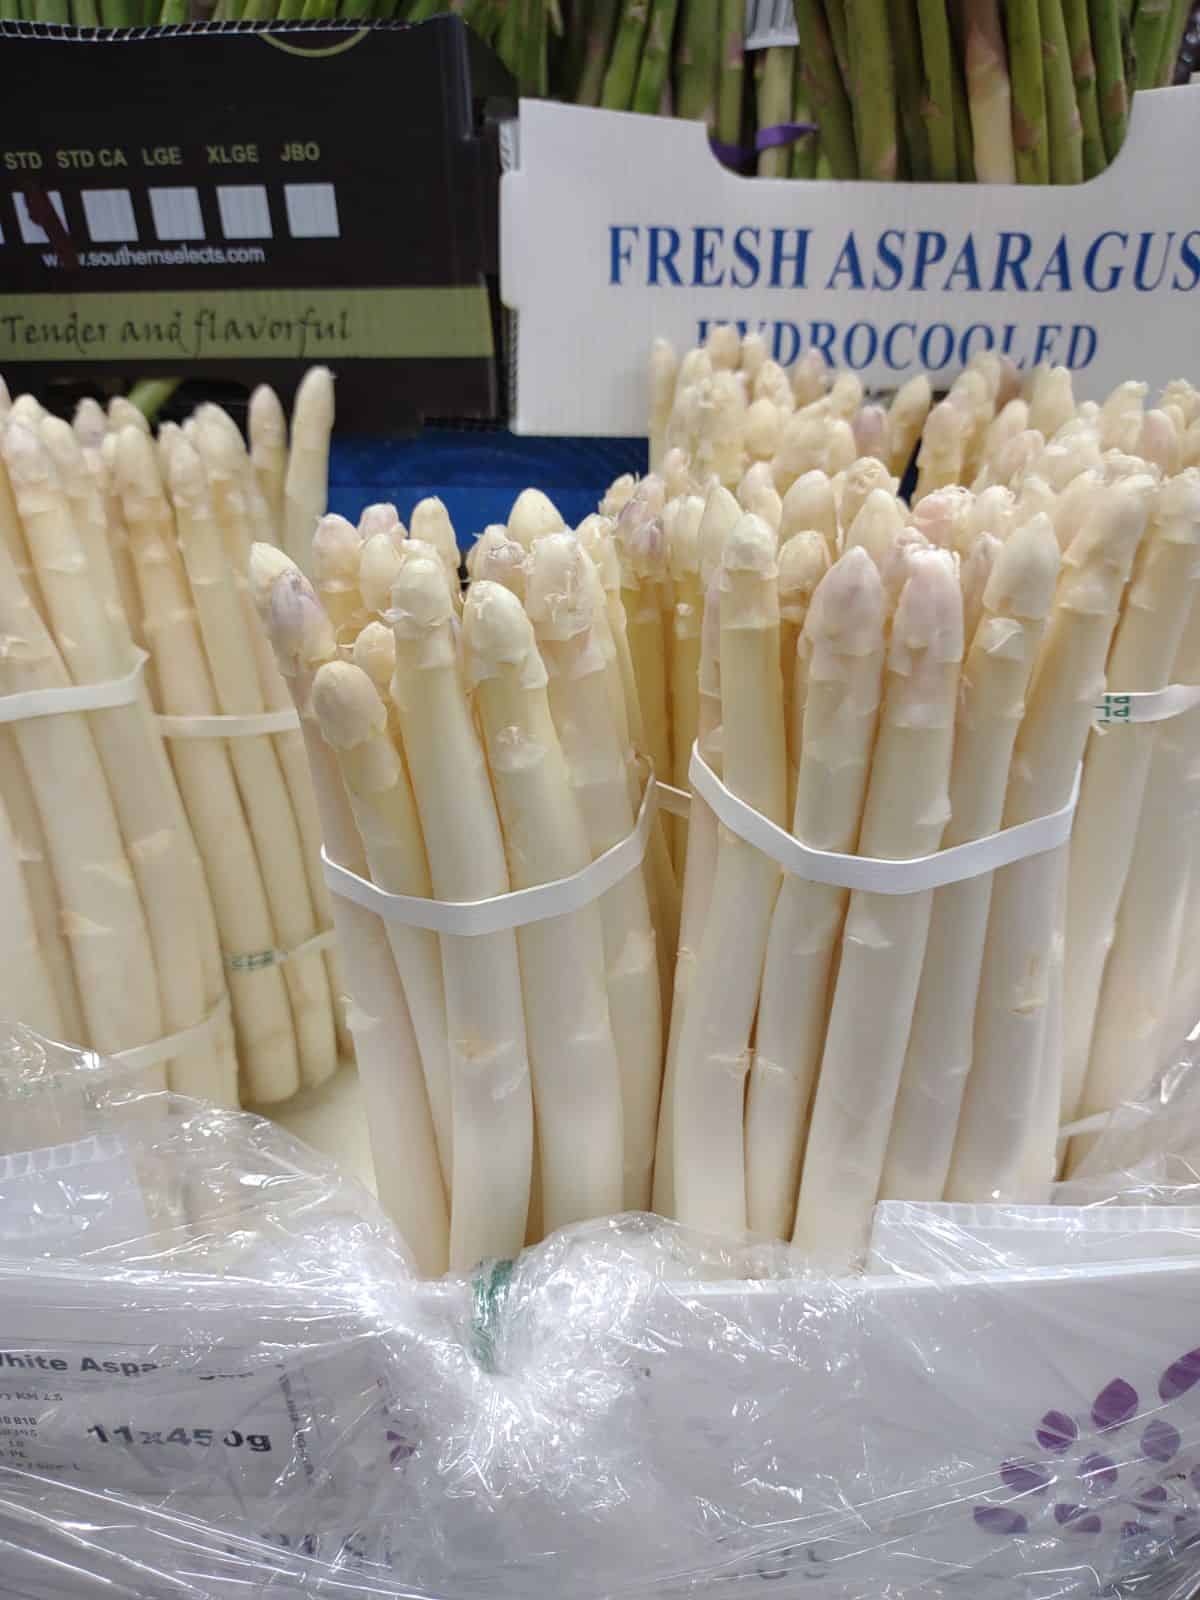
pixel 259 1397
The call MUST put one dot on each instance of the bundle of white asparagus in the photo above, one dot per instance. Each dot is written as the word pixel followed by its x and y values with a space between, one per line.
pixel 159 889
pixel 466 745
pixel 892 677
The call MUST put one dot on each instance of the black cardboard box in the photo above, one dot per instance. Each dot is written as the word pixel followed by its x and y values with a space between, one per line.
pixel 242 201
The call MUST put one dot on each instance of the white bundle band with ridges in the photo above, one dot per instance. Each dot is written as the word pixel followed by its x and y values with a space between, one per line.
pixel 876 875
pixel 286 720
pixel 274 957
pixel 1151 705
pixel 517 909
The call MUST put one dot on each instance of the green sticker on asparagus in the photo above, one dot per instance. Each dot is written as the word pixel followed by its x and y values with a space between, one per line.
pixel 231 324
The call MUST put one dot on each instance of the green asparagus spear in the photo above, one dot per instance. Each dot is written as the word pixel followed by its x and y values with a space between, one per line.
pixel 173 13
pixel 938 104
pixel 656 56
pixel 774 69
pixel 85 14
pixel 964 151
pixel 1030 147
pixel 835 13
pixel 150 395
pixel 1062 113
pixel 266 11
pixel 826 89
pixel 1149 35
pixel 532 73
pixel 1111 94
pixel 731 71
pixel 1172 41
pixel 119 13
pixel 1083 71
pixel 807 148
pixel 598 37
pixel 696 77
pixel 57 11
pixel 910 85
pixel 989 93
pixel 617 93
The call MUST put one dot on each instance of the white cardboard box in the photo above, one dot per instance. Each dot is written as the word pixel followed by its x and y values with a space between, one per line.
pixel 617 227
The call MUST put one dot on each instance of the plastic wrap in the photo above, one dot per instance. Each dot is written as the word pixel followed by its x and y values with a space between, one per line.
pixel 256 1396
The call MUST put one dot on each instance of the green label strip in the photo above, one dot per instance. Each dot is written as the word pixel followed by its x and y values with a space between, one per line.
pixel 230 324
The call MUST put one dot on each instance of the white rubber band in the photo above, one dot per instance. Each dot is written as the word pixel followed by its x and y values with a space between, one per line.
pixel 1152 705
pixel 229 727
pixel 150 1055
pixel 677 801
pixel 954 865
pixel 1119 1117
pixel 256 960
pixel 31 703
pixel 470 919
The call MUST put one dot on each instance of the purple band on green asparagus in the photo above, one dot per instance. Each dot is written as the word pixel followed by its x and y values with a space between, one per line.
pixel 778 134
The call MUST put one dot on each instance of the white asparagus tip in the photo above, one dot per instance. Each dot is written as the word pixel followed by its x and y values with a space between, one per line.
pixel 314 397
pixel 617 495
pixel 877 526
pixel 65 450
pixel 381 518
pixel 943 516
pixel 211 415
pixel 90 423
pixel 803 562
pixel 266 416
pixel 431 521
pixel 6 398
pixel 300 631
pixel 1179 501
pixel 28 411
pixel 559 598
pixel 929 614
pixel 752 546
pixel 497 632
pixel 219 442
pixel 347 705
pixel 28 461
pixel 379 563
pixel 1025 572
pixel 267 562
pixel 595 534
pixel 375 652
pixel 136 465
pixel 721 513
pixel 1110 534
pixel 420 596
pixel 122 413
pixel 185 474
pixel 724 345
pixel 336 552
pixel 992 511
pixel 532 515
pixel 683 538
pixel 847 608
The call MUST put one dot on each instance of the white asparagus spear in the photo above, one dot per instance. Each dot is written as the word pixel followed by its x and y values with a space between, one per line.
pixel 241 512
pixel 906 418
pixel 663 367
pixel 683 558
pixel 991 1152
pixel 772 383
pixel 489 1061
pixel 810 504
pixel 122 413
pixel 379 565
pixel 883 942
pixel 260 781
pixel 995 677
pixel 757 492
pixel 572 1055
pixel 942 450
pixel 1134 1010
pixel 90 423
pixel 565 604
pixel 336 552
pixel 803 562
pixel 1051 400
pixel 263 1023
pixel 83 487
pixel 856 483
pixel 754 354
pixel 877 526
pixel 306 485
pixel 764 429
pixel 382 517
pixel 713 1048
pixel 431 521
pixel 724 346
pixel 972 394
pixel 25 988
pixel 267 426
pixel 1116 766
pixel 843 647
pixel 496 558
pixel 101 909
pixel 810 377
pixel 533 514
pixel 644 580
pixel 1004 427
pixel 975 573
pixel 870 432
pixel 385 1046
pixel 353 719
pixel 617 496
pixel 96 648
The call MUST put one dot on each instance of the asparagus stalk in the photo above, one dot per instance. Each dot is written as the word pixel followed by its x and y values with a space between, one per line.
pixel 263 1023
pixel 269 453
pixel 25 987
pixel 991 1153
pixel 731 71
pixel 906 420
pixel 1111 90
pixel 430 521
pixel 601 21
pixel 713 1050
pixel 1030 142
pixel 1083 70
pixel 398 1114
pixel 826 90
pixel 1115 773
pixel 872 84
pixel 565 603
pixel 910 85
pixel 306 483
pixel 938 102
pixel 803 562
pixel 696 67
pixel 883 944
pixel 996 675
pixel 989 92
pixel 1062 113
pixel 843 646
pixel 656 57
pixel 683 654
pixel 806 150
pixel 839 29
pixel 621 77
pixel 774 72
pixel 1150 24
pixel 489 1063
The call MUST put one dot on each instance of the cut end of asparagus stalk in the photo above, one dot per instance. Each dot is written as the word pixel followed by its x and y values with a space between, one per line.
pixel 347 705
pixel 533 514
